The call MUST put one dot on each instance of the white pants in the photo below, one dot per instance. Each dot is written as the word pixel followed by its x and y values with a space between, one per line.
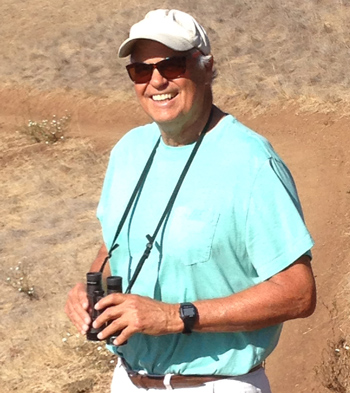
pixel 255 382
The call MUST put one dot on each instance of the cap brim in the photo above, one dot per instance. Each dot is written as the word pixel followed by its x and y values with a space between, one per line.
pixel 177 44
pixel 126 47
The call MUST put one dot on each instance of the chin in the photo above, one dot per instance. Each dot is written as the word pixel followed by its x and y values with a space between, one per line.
pixel 164 119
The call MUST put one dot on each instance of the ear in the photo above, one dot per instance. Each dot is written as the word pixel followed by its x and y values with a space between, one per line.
pixel 211 62
pixel 209 66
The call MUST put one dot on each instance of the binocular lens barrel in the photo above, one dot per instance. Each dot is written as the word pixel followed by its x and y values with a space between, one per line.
pixel 114 285
pixel 93 282
pixel 95 293
pixel 92 332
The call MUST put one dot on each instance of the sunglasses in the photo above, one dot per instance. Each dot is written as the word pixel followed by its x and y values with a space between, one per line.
pixel 169 68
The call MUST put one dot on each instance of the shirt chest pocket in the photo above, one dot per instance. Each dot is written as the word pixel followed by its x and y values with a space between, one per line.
pixel 189 235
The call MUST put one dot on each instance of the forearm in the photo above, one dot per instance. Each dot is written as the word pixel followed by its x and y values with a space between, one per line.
pixel 249 310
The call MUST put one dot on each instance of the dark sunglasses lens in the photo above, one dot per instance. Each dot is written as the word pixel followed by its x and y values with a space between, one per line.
pixel 173 67
pixel 169 68
pixel 140 72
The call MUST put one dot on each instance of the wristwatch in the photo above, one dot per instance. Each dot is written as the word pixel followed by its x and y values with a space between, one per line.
pixel 189 315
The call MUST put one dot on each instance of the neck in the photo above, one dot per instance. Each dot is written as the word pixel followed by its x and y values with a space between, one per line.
pixel 174 135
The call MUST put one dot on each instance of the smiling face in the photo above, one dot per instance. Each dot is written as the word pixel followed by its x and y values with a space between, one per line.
pixel 177 105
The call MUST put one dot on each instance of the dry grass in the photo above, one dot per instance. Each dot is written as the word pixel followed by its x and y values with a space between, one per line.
pixel 334 371
pixel 266 51
pixel 48 211
pixel 334 368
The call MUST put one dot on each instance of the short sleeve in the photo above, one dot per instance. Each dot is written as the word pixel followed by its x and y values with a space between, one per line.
pixel 276 235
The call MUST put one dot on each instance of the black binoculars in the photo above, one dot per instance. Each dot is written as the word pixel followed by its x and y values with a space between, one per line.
pixel 95 293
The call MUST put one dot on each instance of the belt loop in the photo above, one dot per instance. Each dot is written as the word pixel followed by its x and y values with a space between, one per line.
pixel 167 381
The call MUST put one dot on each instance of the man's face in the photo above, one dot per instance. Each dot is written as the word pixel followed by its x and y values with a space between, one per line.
pixel 176 102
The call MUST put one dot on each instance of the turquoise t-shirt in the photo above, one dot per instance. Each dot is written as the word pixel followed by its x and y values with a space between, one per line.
pixel 236 222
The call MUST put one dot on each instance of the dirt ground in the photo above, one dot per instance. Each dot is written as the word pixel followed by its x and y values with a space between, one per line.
pixel 283 75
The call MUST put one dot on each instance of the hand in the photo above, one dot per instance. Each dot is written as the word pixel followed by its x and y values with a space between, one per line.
pixel 130 314
pixel 77 308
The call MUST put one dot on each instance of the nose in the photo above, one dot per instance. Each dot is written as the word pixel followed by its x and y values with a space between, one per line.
pixel 157 79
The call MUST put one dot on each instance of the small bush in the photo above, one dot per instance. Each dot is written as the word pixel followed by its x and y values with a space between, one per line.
pixel 48 131
pixel 334 370
pixel 19 279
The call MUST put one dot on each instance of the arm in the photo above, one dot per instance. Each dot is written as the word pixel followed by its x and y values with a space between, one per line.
pixel 77 303
pixel 288 295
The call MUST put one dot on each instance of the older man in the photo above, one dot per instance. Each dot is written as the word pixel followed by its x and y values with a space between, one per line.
pixel 227 252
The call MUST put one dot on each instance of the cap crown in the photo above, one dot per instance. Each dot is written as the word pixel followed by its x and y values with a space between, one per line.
pixel 175 29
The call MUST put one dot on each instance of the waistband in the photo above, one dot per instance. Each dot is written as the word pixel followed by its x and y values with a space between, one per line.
pixel 173 381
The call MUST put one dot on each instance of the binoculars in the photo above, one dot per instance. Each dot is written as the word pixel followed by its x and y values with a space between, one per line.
pixel 95 293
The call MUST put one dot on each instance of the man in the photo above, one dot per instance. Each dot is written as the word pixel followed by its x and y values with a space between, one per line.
pixel 231 260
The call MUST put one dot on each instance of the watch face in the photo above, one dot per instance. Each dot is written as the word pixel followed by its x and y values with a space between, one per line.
pixel 188 311
pixel 189 315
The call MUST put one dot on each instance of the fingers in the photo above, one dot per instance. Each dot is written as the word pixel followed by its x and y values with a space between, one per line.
pixel 112 329
pixel 119 314
pixel 117 327
pixel 77 306
pixel 123 336
pixel 128 314
pixel 137 314
pixel 111 300
pixel 111 313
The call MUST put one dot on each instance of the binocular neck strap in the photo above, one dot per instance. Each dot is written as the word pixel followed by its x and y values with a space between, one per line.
pixel 167 209
pixel 130 203
pixel 169 206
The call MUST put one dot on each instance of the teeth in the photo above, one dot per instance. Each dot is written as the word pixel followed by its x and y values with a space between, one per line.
pixel 162 97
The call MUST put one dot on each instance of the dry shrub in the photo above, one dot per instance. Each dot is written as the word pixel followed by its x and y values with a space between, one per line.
pixel 334 367
pixel 334 371
pixel 19 279
pixel 48 131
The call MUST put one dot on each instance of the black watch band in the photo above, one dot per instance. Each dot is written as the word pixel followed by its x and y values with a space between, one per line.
pixel 189 315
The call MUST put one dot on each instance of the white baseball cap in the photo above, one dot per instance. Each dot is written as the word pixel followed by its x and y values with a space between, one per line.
pixel 174 29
